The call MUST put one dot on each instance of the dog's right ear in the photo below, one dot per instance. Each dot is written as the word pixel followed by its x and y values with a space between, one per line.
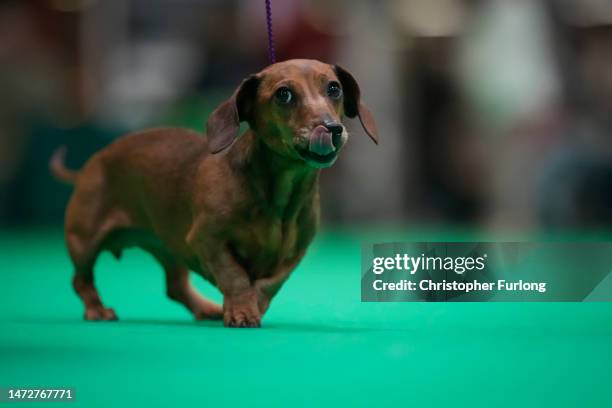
pixel 353 105
pixel 224 123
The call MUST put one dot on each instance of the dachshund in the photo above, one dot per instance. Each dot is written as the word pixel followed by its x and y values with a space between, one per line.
pixel 240 210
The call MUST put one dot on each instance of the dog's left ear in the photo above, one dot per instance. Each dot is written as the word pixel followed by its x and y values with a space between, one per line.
pixel 352 102
pixel 224 123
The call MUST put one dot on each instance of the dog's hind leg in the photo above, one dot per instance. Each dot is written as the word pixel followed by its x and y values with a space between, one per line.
pixel 89 220
pixel 180 289
pixel 84 256
pixel 86 233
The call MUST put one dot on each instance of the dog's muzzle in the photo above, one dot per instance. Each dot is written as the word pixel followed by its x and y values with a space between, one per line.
pixel 321 141
pixel 324 142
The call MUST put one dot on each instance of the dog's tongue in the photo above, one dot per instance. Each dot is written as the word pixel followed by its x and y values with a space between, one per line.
pixel 321 141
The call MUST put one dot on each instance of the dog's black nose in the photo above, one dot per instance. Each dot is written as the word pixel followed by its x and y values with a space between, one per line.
pixel 335 129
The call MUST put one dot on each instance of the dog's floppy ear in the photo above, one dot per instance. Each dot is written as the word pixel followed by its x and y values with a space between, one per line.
pixel 352 102
pixel 224 123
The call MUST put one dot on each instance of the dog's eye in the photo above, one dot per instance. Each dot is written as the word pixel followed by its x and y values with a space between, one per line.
pixel 284 95
pixel 334 91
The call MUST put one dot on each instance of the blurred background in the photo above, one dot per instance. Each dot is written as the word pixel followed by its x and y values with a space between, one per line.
pixel 494 114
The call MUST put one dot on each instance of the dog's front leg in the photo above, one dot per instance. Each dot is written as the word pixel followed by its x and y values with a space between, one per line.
pixel 240 298
pixel 240 308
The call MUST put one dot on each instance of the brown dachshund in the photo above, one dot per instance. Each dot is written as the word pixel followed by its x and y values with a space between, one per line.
pixel 240 211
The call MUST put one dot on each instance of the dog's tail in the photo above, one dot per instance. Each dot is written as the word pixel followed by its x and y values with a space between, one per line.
pixel 59 170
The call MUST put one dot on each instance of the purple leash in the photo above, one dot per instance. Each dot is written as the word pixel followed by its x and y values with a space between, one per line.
pixel 270 36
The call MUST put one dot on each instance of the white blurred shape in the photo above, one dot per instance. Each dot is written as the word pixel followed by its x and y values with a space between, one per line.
pixel 143 78
pixel 430 18
pixel 507 64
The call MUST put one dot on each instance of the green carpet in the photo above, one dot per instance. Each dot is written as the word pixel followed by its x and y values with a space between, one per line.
pixel 319 345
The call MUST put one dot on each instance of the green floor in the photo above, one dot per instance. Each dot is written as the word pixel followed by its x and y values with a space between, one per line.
pixel 319 346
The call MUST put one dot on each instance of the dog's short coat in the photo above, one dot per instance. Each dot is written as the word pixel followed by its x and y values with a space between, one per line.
pixel 243 218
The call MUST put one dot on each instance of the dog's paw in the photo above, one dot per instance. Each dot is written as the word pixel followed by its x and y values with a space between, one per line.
pixel 241 310
pixel 242 320
pixel 241 317
pixel 100 313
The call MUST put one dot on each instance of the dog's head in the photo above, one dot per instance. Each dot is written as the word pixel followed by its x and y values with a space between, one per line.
pixel 296 107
